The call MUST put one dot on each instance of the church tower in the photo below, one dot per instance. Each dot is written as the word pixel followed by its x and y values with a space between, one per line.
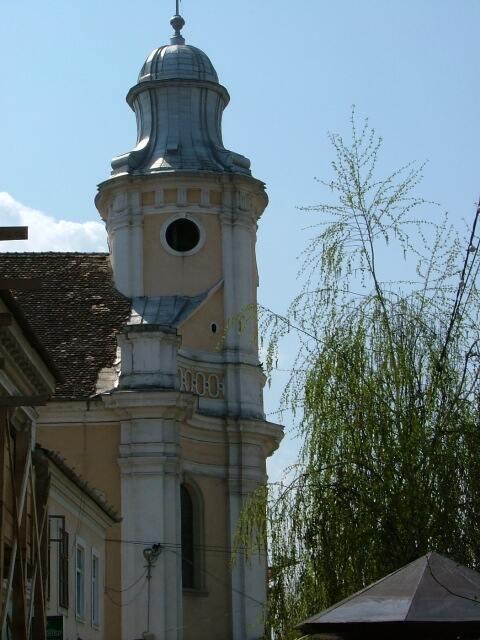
pixel 181 213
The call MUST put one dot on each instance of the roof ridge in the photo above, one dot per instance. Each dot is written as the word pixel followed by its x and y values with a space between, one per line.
pixel 54 253
pixel 357 593
pixel 426 558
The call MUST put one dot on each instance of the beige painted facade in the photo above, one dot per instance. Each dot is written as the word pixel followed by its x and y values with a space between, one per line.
pixel 89 442
pixel 190 275
pixel 138 444
pixel 186 409
pixel 88 437
pixel 87 434
pixel 72 510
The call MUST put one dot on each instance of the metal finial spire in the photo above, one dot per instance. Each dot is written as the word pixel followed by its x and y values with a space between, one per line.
pixel 177 23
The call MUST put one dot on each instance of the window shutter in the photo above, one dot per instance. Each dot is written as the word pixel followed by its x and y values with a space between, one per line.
pixel 63 595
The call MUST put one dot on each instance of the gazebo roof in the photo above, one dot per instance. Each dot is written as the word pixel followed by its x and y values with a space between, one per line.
pixel 432 591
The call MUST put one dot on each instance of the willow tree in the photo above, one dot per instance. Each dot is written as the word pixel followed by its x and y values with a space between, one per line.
pixel 386 389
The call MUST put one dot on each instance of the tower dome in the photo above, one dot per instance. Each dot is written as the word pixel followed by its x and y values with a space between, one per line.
pixel 178 102
pixel 178 61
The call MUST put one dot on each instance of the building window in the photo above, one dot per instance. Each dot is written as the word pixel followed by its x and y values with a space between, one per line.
pixel 95 589
pixel 188 546
pixel 80 581
pixel 63 545
pixel 192 536
pixel 182 235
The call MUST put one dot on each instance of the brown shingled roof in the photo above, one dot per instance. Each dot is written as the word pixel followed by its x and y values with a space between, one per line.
pixel 76 313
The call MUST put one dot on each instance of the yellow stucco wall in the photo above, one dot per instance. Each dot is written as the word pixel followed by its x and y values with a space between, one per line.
pixel 167 274
pixel 93 451
pixel 207 612
pixel 197 331
pixel 206 615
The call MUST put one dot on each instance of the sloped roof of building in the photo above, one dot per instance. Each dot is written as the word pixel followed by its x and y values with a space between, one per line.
pixel 78 481
pixel 76 313
pixel 17 312
pixel 432 590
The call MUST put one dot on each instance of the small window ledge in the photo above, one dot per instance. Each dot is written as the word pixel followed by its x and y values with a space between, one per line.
pixel 197 593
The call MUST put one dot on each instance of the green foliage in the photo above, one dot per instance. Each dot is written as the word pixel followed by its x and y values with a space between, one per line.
pixel 386 388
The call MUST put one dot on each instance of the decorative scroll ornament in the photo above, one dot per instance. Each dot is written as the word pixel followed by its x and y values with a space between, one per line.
pixel 202 383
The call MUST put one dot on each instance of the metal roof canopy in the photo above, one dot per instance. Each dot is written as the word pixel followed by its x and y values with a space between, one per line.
pixel 430 597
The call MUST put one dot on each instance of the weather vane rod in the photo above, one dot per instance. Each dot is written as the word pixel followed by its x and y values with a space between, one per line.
pixel 177 23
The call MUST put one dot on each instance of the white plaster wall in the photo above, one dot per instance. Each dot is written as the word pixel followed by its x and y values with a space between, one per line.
pixel 83 522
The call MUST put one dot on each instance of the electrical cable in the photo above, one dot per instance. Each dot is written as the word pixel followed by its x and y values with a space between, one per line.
pixel 176 549
pixel 129 602
pixel 208 548
pixel 127 588
pixel 219 580
pixel 453 593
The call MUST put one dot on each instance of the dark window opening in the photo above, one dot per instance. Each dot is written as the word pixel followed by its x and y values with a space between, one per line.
pixel 214 328
pixel 182 235
pixel 63 599
pixel 188 547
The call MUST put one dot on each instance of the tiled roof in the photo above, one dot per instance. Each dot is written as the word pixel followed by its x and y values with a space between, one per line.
pixel 76 313
pixel 16 310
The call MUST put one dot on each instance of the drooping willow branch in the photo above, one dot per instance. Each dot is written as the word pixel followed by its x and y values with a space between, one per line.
pixel 386 389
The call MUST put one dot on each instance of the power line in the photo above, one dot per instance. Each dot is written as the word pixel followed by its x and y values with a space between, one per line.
pixel 453 593
pixel 219 580
pixel 126 604
pixel 148 543
pixel 176 549
pixel 127 588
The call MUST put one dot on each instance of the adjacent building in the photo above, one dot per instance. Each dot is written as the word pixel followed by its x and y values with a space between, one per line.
pixel 78 524
pixel 27 378
pixel 53 525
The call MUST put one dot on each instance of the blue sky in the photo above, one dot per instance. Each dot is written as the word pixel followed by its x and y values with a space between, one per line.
pixel 293 71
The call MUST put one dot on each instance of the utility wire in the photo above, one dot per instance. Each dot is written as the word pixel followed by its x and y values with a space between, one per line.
pixel 126 604
pixel 129 587
pixel 147 543
pixel 453 593
pixel 176 549
pixel 219 580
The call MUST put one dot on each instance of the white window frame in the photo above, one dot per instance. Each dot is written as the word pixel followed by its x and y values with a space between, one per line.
pixel 80 611
pixel 95 591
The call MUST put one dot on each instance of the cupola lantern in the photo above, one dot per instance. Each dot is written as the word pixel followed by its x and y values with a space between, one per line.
pixel 179 103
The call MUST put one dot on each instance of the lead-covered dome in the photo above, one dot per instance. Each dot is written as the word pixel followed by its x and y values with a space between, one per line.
pixel 179 104
pixel 178 61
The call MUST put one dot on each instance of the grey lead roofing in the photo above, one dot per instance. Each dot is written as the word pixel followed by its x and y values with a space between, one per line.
pixel 178 61
pixel 167 311
pixel 432 589
pixel 178 104
pixel 76 313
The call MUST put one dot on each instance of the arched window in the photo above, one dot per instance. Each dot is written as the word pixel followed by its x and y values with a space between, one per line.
pixel 192 536
pixel 188 539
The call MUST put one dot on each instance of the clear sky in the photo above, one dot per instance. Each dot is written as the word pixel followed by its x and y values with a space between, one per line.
pixel 293 70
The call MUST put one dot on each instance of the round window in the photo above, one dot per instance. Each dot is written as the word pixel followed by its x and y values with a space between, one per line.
pixel 182 235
